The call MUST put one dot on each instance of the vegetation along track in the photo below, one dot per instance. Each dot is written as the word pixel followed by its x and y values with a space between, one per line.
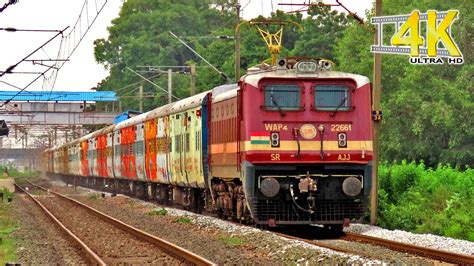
pixel 110 241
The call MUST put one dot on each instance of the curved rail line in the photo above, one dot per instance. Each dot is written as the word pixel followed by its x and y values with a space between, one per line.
pixel 440 255
pixel 328 246
pixel 95 259
pixel 161 243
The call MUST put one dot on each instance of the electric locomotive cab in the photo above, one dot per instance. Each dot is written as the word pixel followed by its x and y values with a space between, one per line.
pixel 308 148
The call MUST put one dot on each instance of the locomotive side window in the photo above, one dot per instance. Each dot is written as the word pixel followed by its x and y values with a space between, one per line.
pixel 332 97
pixel 282 97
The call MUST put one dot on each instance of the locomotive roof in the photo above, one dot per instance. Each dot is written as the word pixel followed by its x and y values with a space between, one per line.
pixel 254 78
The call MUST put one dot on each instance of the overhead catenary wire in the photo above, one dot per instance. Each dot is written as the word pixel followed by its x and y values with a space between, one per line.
pixel 9 29
pixel 24 88
pixel 10 68
pixel 10 2
pixel 135 83
pixel 222 74
pixel 156 85
pixel 65 51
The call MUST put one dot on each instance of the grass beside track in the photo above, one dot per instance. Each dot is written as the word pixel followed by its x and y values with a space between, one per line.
pixel 7 227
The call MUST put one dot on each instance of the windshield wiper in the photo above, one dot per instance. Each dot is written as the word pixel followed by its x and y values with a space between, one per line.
pixel 276 104
pixel 339 106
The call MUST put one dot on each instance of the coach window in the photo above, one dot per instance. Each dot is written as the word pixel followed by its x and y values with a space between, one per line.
pixel 332 97
pixel 282 97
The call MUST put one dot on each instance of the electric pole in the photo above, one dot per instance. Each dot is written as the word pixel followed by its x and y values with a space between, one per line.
pixel 141 98
pixel 237 41
pixel 170 85
pixel 193 79
pixel 376 122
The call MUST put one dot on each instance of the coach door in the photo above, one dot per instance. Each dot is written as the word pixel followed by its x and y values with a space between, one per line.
pixel 140 151
pixel 150 149
pixel 163 146
pixel 117 154
pixel 110 146
pixel 102 155
pixel 84 149
pixel 128 152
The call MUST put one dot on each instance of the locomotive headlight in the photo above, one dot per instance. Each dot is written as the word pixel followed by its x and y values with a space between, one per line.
pixel 351 186
pixel 275 139
pixel 306 67
pixel 342 140
pixel 321 128
pixel 270 187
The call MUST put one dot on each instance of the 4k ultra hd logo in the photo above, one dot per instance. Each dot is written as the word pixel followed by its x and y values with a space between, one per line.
pixel 422 49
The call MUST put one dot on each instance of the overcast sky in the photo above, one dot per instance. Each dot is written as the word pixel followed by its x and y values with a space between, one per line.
pixel 82 72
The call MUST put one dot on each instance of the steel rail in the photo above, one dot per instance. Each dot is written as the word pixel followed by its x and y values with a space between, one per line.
pixel 91 254
pixel 441 255
pixel 332 247
pixel 319 244
pixel 161 243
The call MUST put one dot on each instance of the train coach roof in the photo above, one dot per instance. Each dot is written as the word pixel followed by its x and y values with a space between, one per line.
pixel 225 95
pixel 224 88
pixel 86 137
pixel 73 142
pixel 254 78
pixel 132 121
pixel 188 103
pixel 159 112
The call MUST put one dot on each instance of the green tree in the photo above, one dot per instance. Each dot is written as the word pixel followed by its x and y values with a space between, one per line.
pixel 323 30
pixel 140 37
pixel 426 107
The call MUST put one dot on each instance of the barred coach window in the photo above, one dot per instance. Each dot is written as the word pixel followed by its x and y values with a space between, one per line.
pixel 282 97
pixel 332 97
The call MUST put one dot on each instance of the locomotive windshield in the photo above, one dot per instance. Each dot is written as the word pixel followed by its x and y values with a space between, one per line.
pixel 332 97
pixel 282 97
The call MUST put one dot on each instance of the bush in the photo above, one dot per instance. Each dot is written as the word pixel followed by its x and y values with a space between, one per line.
pixel 424 200
pixel 160 212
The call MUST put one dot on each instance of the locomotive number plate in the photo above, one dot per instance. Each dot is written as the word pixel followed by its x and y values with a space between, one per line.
pixel 341 127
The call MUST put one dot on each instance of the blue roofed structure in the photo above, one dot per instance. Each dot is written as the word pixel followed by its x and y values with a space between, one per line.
pixel 61 96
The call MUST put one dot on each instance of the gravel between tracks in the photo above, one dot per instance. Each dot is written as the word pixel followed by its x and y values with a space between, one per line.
pixel 217 240
pixel 40 242
pixel 113 245
pixel 424 240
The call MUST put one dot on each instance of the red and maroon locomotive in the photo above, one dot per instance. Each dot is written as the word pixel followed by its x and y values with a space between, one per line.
pixel 293 145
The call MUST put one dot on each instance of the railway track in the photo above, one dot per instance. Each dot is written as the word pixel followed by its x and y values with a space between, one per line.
pixel 440 255
pixel 105 239
pixel 436 254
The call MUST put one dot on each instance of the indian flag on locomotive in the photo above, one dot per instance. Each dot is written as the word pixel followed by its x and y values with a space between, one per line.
pixel 260 138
